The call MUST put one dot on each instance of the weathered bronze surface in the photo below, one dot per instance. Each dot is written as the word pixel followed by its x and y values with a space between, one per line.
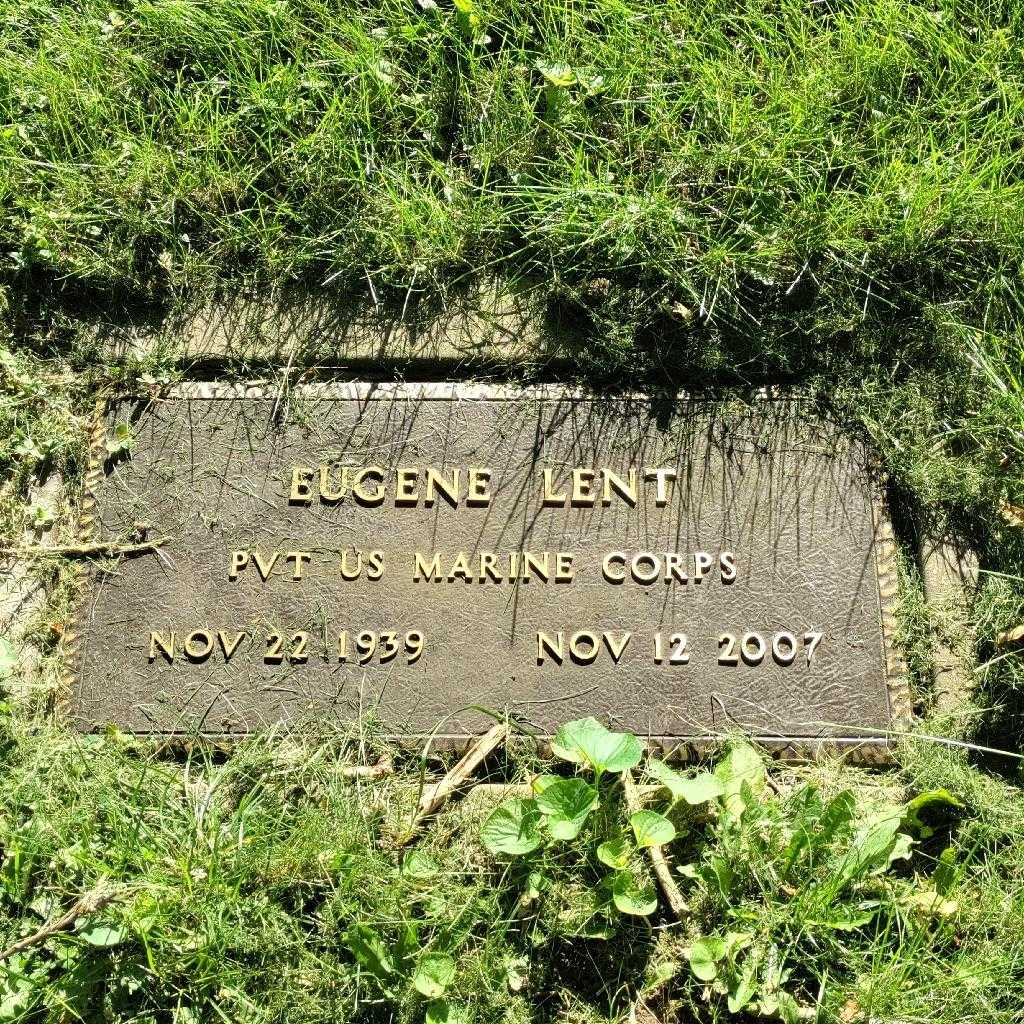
pixel 753 530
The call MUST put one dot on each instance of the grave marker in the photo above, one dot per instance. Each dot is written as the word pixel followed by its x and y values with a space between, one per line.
pixel 676 567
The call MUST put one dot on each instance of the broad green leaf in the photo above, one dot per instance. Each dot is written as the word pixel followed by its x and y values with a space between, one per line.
pixel 742 765
pixel 697 789
pixel 901 849
pixel 18 991
pixel 944 877
pixel 434 973
pixel 8 658
pixel 837 815
pixel 705 955
pixel 615 853
pixel 567 797
pixel 630 897
pixel 517 973
pixel 467 17
pixel 844 919
pixel 407 946
pixel 122 439
pixel 541 782
pixel 931 903
pixel 102 934
pixel 419 864
pixel 587 741
pixel 718 875
pixel 925 801
pixel 745 989
pixel 536 883
pixel 651 828
pixel 513 827
pixel 567 803
pixel 561 76
pixel 369 950
pixel 874 845
pixel 440 1011
pixel 817 826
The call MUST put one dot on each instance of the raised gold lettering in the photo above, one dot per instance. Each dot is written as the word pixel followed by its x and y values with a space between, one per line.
pixel 647 575
pixel 727 566
pixel 563 567
pixel 227 644
pixel 702 562
pixel 162 642
pixel 662 476
pixel 198 645
pixel 488 561
pixel 614 482
pixel 298 560
pixel 477 484
pixel 534 566
pixel 549 497
pixel 405 487
pixel 550 647
pixel 328 493
pixel 375 565
pixel 265 568
pixel 460 568
pixel 674 567
pixel 301 492
pixel 424 570
pixel 616 647
pixel 613 558
pixel 239 560
pixel 583 647
pixel 583 493
pixel 370 498
pixel 450 489
pixel 348 572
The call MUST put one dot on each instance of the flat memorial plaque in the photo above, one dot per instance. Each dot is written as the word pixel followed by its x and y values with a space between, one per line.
pixel 677 567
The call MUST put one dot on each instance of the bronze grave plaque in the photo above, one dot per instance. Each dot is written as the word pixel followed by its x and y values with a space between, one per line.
pixel 428 553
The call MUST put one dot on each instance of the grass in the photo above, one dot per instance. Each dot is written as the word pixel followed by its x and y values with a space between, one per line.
pixel 827 195
pixel 240 879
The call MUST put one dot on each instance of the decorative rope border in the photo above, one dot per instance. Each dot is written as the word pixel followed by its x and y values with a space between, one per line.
pixel 867 749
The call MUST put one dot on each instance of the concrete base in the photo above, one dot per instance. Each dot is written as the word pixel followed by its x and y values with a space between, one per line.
pixel 22 594
pixel 949 571
pixel 497 324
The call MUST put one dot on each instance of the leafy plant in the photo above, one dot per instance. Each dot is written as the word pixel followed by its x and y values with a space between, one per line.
pixel 588 742
pixel 121 441
pixel 562 808
pixel 8 658
pixel 401 964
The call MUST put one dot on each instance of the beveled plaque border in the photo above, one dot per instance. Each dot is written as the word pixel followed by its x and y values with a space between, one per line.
pixel 870 748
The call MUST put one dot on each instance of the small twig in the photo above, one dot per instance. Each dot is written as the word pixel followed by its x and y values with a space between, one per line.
pixel 434 797
pixel 1010 637
pixel 91 903
pixel 103 547
pixel 660 864
pixel 385 766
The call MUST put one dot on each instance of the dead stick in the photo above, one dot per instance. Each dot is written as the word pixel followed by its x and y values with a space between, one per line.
pixel 104 547
pixel 91 903
pixel 662 869
pixel 385 766
pixel 434 796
